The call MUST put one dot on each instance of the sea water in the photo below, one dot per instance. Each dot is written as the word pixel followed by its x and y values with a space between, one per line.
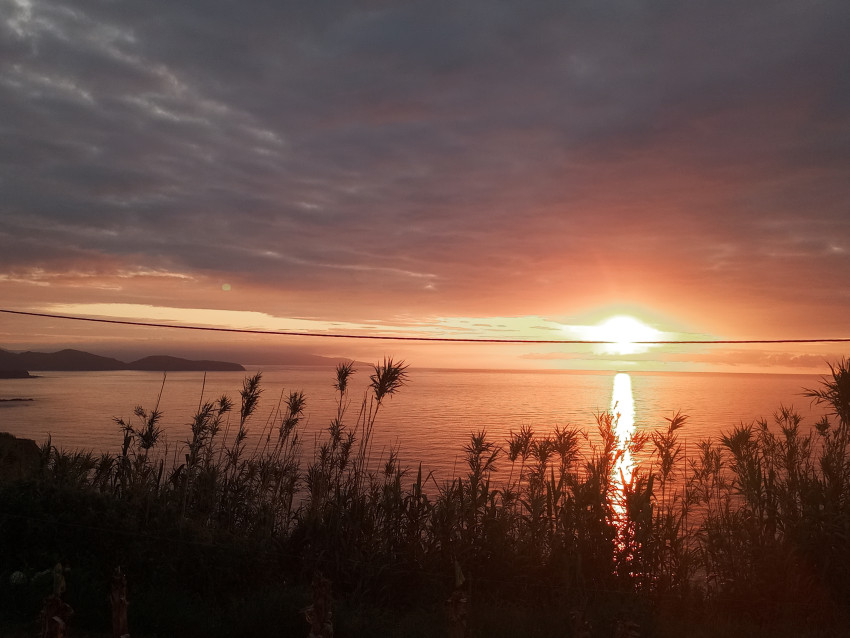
pixel 428 420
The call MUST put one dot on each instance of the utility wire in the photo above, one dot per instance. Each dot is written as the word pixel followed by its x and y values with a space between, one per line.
pixel 332 335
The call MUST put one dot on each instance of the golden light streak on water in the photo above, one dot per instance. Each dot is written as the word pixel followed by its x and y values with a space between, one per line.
pixel 623 407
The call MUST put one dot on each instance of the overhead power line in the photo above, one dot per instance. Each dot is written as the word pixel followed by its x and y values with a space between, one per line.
pixel 330 335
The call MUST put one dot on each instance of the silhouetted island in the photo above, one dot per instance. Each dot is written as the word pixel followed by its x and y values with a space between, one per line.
pixel 165 363
pixel 78 361
pixel 15 374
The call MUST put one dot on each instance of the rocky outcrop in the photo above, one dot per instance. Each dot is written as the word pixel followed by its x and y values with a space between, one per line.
pixel 19 458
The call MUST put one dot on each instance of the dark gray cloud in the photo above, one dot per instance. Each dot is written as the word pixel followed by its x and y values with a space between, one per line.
pixel 387 146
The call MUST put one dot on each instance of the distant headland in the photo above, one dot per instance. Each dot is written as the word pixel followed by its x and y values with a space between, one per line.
pixel 17 364
pixel 14 374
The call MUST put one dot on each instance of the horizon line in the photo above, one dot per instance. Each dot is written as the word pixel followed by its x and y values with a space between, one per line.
pixel 286 333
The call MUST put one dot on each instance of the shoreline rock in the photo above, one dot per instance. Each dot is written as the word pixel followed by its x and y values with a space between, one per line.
pixel 19 458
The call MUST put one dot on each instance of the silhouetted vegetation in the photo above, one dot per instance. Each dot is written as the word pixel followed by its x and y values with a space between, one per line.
pixel 543 534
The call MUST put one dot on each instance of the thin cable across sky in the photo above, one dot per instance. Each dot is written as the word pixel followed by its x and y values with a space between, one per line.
pixel 376 337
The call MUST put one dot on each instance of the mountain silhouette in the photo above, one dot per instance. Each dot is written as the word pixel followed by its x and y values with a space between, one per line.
pixel 69 360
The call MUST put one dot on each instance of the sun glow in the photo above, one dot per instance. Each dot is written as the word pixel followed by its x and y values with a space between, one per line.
pixel 623 332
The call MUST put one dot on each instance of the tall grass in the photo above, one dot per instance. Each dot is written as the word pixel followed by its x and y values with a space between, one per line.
pixel 754 525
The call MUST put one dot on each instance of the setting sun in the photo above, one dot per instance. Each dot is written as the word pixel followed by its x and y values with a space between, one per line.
pixel 623 332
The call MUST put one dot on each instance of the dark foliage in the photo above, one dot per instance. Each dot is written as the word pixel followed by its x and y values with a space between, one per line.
pixel 544 533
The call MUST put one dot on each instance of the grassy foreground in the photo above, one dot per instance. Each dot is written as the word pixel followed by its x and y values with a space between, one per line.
pixel 542 535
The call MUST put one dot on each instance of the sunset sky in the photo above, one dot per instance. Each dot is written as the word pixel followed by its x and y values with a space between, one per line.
pixel 481 169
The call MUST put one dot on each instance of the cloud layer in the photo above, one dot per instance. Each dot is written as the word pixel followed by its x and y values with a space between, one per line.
pixel 361 161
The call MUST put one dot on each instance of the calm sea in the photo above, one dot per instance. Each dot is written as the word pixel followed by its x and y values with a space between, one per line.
pixel 429 419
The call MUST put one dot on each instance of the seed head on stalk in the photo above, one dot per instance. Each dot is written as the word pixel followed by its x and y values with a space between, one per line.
pixel 388 378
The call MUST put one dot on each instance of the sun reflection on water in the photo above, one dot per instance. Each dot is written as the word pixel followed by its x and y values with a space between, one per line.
pixel 623 407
